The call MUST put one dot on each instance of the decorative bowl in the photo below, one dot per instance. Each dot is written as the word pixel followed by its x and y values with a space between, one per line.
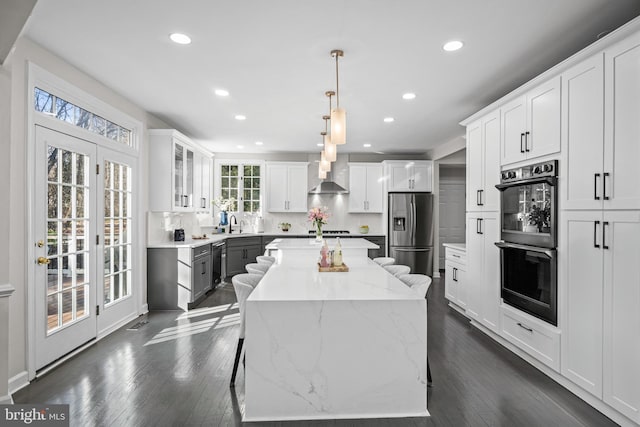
pixel 364 229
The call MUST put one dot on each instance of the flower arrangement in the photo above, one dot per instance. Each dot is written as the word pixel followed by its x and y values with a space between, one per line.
pixel 224 204
pixel 318 217
pixel 540 217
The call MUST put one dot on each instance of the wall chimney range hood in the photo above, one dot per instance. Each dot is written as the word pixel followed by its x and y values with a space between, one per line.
pixel 328 187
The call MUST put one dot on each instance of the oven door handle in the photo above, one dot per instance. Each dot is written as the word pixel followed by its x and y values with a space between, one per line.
pixel 551 180
pixel 551 253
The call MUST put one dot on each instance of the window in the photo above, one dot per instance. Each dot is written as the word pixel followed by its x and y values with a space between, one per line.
pixel 65 111
pixel 241 182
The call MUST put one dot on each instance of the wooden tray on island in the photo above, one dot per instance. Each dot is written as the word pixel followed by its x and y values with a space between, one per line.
pixel 333 269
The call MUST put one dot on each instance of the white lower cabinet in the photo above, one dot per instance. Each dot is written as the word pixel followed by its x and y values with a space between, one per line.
pixel 483 269
pixel 599 305
pixel 454 283
pixel 531 335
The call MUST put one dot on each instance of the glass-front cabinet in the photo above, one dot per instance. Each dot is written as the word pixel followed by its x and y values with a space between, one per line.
pixel 183 177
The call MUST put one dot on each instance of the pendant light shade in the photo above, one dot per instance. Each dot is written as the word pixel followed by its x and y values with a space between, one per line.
pixel 338 115
pixel 322 174
pixel 325 164
pixel 330 149
pixel 338 126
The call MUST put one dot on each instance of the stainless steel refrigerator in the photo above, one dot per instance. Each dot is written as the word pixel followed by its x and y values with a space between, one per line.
pixel 410 230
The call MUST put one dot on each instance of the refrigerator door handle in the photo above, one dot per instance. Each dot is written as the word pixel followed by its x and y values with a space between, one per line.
pixel 412 223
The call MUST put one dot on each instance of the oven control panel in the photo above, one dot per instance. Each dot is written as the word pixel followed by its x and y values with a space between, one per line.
pixel 538 170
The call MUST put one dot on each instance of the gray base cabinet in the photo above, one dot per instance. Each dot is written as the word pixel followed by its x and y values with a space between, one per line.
pixel 178 278
pixel 242 251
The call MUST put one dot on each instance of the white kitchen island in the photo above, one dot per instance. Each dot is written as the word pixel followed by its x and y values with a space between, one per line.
pixel 334 345
pixel 309 249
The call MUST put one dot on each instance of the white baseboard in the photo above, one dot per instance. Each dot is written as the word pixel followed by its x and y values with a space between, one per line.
pixel 103 333
pixel 591 400
pixel 18 382
pixel 436 274
pixel 145 309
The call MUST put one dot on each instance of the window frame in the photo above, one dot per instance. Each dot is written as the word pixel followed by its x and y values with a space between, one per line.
pixel 240 163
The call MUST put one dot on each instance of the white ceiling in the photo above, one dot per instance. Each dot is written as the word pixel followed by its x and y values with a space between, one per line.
pixel 273 57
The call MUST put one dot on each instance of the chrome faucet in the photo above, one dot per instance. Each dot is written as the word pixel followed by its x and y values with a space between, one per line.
pixel 235 221
pixel 242 224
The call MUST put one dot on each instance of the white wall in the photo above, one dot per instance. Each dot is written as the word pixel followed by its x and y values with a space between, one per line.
pixel 26 51
pixel 5 134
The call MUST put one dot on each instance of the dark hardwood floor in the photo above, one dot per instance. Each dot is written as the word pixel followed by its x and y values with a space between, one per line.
pixel 175 371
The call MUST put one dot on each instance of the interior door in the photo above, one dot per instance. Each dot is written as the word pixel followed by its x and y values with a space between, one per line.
pixel 64 226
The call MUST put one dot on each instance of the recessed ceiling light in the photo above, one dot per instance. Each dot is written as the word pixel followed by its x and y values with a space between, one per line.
pixel 366 145
pixel 180 38
pixel 240 117
pixel 388 119
pixel 221 92
pixel 320 144
pixel 409 96
pixel 452 45
pixel 240 146
pixel 259 142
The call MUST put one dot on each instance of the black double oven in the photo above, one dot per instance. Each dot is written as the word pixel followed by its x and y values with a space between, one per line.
pixel 528 208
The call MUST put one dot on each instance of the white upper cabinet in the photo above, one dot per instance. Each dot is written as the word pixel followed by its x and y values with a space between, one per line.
pixel 483 163
pixel 620 189
pixel 409 175
pixel 531 124
pixel 202 183
pixel 176 173
pixel 287 186
pixel 365 187
pixel 581 168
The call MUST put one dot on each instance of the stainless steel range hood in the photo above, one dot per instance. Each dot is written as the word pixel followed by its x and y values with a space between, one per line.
pixel 328 187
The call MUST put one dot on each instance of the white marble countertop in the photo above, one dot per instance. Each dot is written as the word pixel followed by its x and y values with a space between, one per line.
pixel 365 280
pixel 458 246
pixel 217 237
pixel 311 243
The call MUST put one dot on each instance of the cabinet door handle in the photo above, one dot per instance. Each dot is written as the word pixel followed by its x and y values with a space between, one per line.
pixel 479 225
pixel 595 233
pixel 595 186
pixel 604 228
pixel 522 143
pixel 186 201
pixel 204 267
pixel 477 197
pixel 526 328
pixel 204 201
pixel 526 141
pixel 604 187
pixel 455 274
pixel 481 193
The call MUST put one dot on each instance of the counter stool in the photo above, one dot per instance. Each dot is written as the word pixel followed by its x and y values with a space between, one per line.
pixel 264 259
pixel 255 268
pixel 242 289
pixel 382 261
pixel 419 283
pixel 398 270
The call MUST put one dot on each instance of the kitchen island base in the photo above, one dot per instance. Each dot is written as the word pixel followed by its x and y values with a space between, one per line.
pixel 335 359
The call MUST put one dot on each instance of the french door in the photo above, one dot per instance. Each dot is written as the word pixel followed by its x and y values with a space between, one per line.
pixel 83 226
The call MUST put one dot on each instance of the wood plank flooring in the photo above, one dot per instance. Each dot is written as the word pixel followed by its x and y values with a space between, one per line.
pixel 175 371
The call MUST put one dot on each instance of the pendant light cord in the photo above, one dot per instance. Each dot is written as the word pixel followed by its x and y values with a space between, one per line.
pixel 337 85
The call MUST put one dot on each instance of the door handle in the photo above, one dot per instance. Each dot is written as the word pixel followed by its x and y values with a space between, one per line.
pixel 43 260
pixel 595 186
pixel 481 192
pixel 479 225
pixel 477 197
pixel 526 141
pixel 455 275
pixel 522 143
pixel 604 228
pixel 595 232
pixel 604 187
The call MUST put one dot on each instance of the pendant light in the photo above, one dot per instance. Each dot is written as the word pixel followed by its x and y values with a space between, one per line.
pixel 338 115
pixel 330 149
pixel 322 174
pixel 325 164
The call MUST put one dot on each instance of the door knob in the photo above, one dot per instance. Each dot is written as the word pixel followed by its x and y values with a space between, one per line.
pixel 43 260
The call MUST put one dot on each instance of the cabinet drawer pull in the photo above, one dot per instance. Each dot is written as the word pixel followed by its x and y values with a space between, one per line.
pixel 595 233
pixel 604 228
pixel 604 186
pixel 526 328
pixel 595 186
pixel 526 141
pixel 455 256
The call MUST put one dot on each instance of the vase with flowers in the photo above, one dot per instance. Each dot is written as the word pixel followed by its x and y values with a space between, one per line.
pixel 318 217
pixel 224 205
